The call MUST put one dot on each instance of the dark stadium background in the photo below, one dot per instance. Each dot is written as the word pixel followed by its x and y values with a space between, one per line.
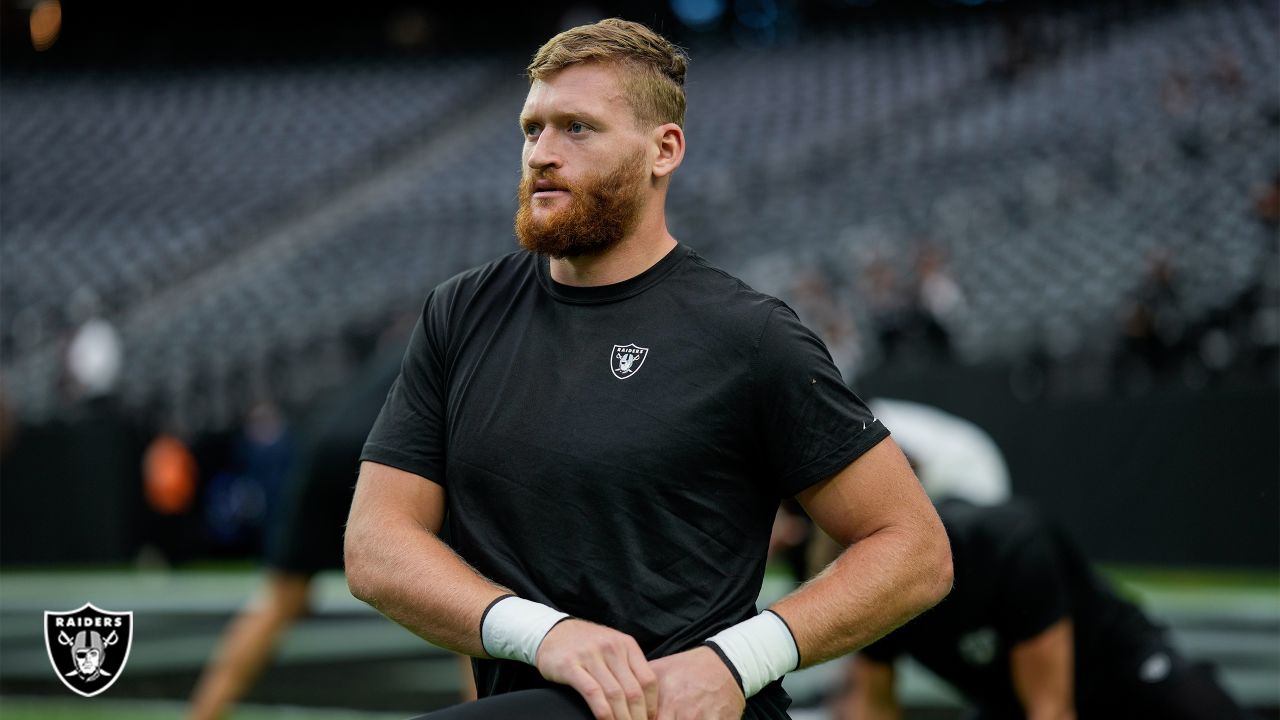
pixel 251 199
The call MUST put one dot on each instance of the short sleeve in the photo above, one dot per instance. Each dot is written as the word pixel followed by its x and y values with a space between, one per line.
pixel 409 433
pixel 1034 592
pixel 809 424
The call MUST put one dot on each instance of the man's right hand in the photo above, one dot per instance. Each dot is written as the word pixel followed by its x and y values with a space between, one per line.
pixel 605 666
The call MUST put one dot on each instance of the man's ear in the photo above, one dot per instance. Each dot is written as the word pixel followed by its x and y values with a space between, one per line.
pixel 669 139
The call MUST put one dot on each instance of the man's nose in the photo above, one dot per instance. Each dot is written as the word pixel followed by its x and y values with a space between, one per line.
pixel 544 153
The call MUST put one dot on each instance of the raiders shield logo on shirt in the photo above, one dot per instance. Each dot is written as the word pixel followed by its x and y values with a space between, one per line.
pixel 627 359
pixel 88 647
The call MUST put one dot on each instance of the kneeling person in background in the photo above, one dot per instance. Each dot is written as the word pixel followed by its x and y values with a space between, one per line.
pixel 1030 630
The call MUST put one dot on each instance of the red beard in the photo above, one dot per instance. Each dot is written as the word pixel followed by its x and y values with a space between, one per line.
pixel 602 209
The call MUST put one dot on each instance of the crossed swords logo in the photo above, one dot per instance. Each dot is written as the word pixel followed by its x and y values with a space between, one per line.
pixel 627 359
pixel 88 647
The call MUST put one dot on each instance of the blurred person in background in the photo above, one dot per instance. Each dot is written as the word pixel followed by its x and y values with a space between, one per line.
pixel 890 306
pixel 628 504
pixel 1153 326
pixel 816 302
pixel 243 498
pixel 1266 203
pixel 939 302
pixel 913 313
pixel 1031 631
pixel 9 427
pixel 170 478
pixel 952 457
pixel 99 464
pixel 1262 301
pixel 94 360
pixel 305 538
pixel 84 462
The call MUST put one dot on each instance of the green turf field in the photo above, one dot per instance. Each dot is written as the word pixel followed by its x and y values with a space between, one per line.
pixel 345 655
pixel 102 709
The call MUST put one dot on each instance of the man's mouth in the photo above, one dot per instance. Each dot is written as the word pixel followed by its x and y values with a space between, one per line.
pixel 547 189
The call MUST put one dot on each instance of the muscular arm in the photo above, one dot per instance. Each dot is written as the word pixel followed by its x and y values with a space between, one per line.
pixel 897 561
pixel 1042 673
pixel 396 563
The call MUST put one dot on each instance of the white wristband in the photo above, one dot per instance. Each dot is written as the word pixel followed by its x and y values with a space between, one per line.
pixel 512 628
pixel 759 650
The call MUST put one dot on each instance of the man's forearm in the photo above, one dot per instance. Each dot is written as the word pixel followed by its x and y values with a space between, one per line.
pixel 1051 713
pixel 860 708
pixel 396 563
pixel 870 693
pixel 1042 671
pixel 874 586
pixel 412 577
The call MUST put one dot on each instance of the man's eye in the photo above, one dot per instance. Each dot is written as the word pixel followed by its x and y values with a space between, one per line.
pixel 577 127
pixel 531 130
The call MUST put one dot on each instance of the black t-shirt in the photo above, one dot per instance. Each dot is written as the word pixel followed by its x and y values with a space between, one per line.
pixel 1015 575
pixel 618 452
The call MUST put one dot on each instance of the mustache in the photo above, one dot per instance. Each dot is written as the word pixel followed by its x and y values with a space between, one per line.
pixel 603 208
pixel 529 180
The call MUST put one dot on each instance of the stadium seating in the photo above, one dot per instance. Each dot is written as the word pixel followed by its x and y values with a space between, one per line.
pixel 129 182
pixel 240 225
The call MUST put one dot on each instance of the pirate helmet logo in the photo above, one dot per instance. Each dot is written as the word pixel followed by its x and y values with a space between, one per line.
pixel 626 360
pixel 88 647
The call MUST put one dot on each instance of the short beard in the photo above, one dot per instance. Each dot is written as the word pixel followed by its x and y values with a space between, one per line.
pixel 601 211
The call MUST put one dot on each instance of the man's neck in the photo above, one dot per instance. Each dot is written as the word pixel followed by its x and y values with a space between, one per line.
pixel 637 252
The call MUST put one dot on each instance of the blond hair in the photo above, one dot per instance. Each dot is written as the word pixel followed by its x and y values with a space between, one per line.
pixel 654 67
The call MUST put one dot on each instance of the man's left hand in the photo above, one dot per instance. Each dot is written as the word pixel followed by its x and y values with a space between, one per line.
pixel 697 685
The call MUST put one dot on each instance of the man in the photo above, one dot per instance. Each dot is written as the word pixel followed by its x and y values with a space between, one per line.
pixel 1030 631
pixel 607 423
pixel 307 541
